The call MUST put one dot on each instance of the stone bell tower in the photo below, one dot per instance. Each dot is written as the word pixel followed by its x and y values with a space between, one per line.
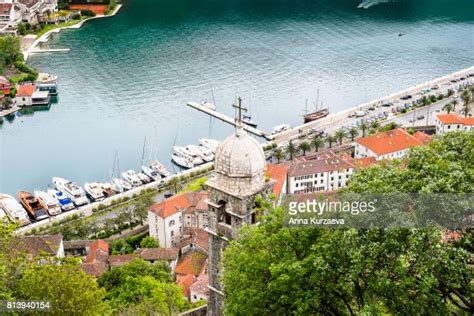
pixel 239 177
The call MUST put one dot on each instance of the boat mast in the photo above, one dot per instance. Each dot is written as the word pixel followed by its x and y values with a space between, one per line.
pixel 143 151
pixel 317 100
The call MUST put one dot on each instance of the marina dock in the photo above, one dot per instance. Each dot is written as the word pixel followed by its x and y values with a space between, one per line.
pixel 9 111
pixel 49 50
pixel 227 119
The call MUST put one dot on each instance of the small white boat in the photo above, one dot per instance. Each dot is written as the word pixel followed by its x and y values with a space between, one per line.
pixel 14 210
pixel 131 177
pixel 190 155
pixel 44 77
pixel 200 151
pixel 154 174
pixel 144 178
pixel 182 161
pixel 208 104
pixel 158 166
pixel 94 191
pixel 72 190
pixel 211 144
pixel 280 128
pixel 49 203
pixel 64 201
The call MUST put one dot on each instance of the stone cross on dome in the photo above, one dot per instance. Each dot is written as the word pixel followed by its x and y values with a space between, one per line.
pixel 240 108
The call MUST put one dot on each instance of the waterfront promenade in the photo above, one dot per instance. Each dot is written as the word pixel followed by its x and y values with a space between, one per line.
pixel 330 124
pixel 335 121
pixel 9 111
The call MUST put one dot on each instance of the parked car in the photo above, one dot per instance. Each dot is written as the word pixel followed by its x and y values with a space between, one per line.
pixel 420 117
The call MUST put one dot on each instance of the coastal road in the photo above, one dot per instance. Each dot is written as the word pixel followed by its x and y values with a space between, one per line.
pixel 336 121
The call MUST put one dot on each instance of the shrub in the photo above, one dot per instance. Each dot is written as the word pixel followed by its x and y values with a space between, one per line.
pixel 403 111
pixel 87 13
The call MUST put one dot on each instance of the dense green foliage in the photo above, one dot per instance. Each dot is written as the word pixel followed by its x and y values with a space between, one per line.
pixel 139 286
pixel 10 55
pixel 149 242
pixel 277 270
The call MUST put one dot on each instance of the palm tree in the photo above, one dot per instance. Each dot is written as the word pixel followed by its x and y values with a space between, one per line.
pixel 375 125
pixel 466 98
pixel 363 127
pixel 304 147
pixel 353 133
pixel 340 134
pixel 330 140
pixel 316 143
pixel 425 101
pixel 172 185
pixel 291 149
pixel 450 92
pixel 448 107
pixel 278 154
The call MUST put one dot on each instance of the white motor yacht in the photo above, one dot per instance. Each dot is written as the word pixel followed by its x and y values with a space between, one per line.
pixel 14 210
pixel 182 161
pixel 64 201
pixel 72 190
pixel 191 156
pixel 154 174
pixel 158 166
pixel 144 178
pixel 94 191
pixel 131 177
pixel 209 143
pixel 201 151
pixel 107 189
pixel 49 203
pixel 120 185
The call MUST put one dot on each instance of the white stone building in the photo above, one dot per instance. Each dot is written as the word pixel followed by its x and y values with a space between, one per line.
pixel 328 172
pixel 453 122
pixel 393 144
pixel 10 16
pixel 35 11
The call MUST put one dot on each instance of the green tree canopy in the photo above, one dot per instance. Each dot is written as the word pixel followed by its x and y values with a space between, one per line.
pixel 149 242
pixel 272 269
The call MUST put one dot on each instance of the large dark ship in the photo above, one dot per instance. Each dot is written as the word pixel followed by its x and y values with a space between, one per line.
pixel 313 116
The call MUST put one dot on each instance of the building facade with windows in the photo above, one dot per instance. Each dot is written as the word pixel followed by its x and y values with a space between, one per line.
pixel 446 123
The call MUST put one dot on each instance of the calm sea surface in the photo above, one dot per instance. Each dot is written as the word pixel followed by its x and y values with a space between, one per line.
pixel 127 75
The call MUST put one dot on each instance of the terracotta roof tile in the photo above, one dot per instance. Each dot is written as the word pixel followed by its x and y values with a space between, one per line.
pixel 423 137
pixel 94 268
pixel 119 260
pixel 191 263
pixel 37 245
pixel 277 172
pixel 98 250
pixel 388 142
pixel 184 201
pixel 185 281
pixel 324 164
pixel 158 253
pixel 26 90
pixel 364 162
pixel 468 121
pixel 196 236
pixel 201 285
pixel 450 118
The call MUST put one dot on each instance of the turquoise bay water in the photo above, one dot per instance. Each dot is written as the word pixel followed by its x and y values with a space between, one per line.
pixel 126 74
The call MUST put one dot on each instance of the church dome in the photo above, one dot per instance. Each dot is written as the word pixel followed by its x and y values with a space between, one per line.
pixel 239 156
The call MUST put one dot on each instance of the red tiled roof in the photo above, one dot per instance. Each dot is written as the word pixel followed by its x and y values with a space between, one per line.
pixel 158 253
pixel 325 164
pixel 119 260
pixel 468 120
pixel 5 8
pixel 94 268
pixel 364 162
pixel 182 201
pixel 37 245
pixel 196 236
pixel 450 119
pixel 387 142
pixel 277 172
pixel 191 263
pixel 185 281
pixel 201 285
pixel 423 137
pixel 26 90
pixel 98 250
